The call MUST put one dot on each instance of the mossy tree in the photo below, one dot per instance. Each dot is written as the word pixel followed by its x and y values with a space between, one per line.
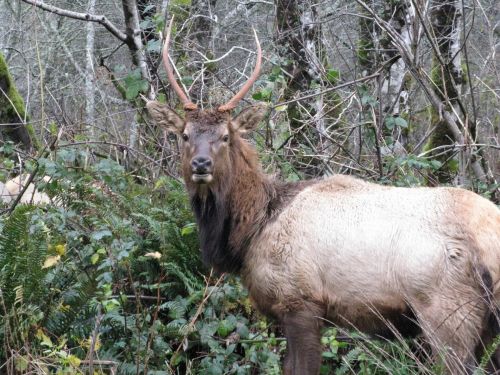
pixel 300 46
pixel 390 93
pixel 13 111
pixel 448 77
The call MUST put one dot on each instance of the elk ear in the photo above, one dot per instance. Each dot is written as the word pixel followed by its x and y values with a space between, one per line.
pixel 248 119
pixel 165 117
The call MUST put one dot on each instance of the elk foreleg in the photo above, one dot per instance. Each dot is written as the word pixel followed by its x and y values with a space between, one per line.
pixel 303 333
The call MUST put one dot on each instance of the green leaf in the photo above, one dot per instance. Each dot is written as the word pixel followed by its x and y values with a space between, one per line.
pixel 134 84
pixel 453 165
pixel 177 358
pixel 101 251
pixel 111 305
pixel 7 148
pixel 188 229
pixel 44 339
pixel 392 121
pixel 53 128
pixel 21 363
pixel 187 81
pixel 263 95
pixel 74 361
pixel 99 235
pixel 242 330
pixel 435 164
pixel 94 258
pixel 161 97
pixel 401 122
pixel 226 326
pixel 153 45
pixel 332 75
pixel 147 23
pixel 367 99
pixel 328 355
pixel 181 2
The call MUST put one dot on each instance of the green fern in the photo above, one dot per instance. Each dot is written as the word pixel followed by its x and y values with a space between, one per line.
pixel 23 249
pixel 487 356
pixel 78 309
pixel 189 281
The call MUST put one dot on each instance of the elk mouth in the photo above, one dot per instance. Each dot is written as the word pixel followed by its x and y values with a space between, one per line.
pixel 201 178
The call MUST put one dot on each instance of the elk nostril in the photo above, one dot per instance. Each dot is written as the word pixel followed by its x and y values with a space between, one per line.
pixel 201 164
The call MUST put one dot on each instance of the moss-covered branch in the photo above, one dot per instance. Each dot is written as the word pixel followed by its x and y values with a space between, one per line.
pixel 12 111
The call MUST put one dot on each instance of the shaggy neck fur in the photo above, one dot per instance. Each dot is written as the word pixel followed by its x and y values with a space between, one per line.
pixel 232 210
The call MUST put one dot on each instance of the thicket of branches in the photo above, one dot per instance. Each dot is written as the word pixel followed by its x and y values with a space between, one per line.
pixel 402 92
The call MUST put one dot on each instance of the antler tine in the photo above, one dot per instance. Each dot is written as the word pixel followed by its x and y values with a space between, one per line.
pixel 188 104
pixel 231 104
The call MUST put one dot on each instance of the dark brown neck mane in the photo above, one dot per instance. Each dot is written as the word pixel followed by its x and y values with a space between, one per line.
pixel 232 211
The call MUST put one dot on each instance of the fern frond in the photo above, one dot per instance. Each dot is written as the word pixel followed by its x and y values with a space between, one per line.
pixel 23 248
pixel 190 282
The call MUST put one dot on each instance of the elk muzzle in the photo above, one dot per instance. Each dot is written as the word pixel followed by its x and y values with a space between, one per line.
pixel 201 168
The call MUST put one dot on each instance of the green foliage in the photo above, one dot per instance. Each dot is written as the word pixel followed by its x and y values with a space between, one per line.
pixel 116 266
pixel 273 83
pixel 354 353
pixel 23 247
pixel 488 353
pixel 395 121
pixel 366 97
pixel 365 48
pixel 133 82
pixel 333 76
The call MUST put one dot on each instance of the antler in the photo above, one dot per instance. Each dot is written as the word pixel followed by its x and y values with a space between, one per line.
pixel 231 104
pixel 188 104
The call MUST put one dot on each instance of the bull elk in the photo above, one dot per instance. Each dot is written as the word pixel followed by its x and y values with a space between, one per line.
pixel 376 258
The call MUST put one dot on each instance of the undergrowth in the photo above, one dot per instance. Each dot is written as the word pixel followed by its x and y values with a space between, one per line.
pixel 109 279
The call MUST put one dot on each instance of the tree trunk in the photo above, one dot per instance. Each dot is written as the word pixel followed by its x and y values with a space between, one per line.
pixel 298 35
pixel 375 49
pixel 136 47
pixel 446 102
pixel 394 91
pixel 89 73
pixel 134 40
pixel 200 40
pixel 447 77
pixel 12 111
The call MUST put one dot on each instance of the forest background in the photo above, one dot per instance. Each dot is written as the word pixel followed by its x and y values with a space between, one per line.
pixel 107 278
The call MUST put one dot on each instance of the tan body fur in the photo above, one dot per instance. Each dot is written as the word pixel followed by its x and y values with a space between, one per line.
pixel 13 188
pixel 372 243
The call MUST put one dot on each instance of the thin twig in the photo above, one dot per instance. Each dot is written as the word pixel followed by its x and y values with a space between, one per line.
pixel 362 79
pixel 81 16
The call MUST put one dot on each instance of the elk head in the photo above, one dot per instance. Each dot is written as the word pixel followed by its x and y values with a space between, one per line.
pixel 207 135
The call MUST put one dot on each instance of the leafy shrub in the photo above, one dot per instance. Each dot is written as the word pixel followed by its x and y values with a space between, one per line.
pixel 113 273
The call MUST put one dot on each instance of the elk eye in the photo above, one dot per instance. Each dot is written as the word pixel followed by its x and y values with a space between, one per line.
pixel 185 137
pixel 225 138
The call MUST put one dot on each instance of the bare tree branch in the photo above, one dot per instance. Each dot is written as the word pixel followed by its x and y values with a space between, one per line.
pixel 362 79
pixel 81 16
pixel 450 117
